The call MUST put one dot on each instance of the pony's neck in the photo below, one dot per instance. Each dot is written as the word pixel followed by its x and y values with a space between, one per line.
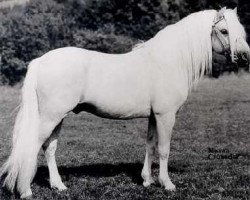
pixel 187 45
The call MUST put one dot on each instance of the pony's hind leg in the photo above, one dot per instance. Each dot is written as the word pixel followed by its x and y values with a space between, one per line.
pixel 150 151
pixel 49 148
pixel 46 126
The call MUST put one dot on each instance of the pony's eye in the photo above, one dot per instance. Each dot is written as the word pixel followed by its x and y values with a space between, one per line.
pixel 224 31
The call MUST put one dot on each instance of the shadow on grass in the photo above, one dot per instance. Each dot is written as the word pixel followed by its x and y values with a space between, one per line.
pixel 5 194
pixel 133 170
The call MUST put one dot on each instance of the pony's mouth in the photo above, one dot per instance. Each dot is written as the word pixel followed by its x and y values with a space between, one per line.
pixel 222 63
pixel 243 60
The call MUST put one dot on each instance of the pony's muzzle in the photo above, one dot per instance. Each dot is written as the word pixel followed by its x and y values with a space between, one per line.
pixel 243 60
pixel 242 55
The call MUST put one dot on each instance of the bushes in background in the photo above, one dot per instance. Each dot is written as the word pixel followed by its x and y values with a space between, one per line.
pixel 111 26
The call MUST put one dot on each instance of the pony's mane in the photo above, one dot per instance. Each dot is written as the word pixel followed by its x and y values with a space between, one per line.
pixel 237 31
pixel 187 43
pixel 196 56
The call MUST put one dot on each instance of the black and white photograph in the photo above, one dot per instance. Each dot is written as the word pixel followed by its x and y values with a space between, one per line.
pixel 120 100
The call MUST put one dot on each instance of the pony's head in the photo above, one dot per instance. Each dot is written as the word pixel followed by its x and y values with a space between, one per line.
pixel 229 36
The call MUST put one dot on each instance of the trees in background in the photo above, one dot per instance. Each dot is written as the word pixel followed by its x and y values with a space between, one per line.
pixel 111 26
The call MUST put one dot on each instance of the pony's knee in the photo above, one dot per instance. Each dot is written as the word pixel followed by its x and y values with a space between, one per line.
pixel 50 148
pixel 163 156
pixel 163 153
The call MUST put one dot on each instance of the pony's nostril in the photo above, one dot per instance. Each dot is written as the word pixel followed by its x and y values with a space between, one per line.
pixel 243 61
pixel 244 57
pixel 236 57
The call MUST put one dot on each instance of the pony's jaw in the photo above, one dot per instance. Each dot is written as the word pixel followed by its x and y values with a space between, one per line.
pixel 216 46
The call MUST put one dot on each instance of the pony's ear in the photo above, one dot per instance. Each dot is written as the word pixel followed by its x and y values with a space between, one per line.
pixel 220 13
pixel 235 10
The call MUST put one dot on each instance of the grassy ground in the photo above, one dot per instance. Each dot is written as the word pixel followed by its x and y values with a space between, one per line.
pixel 102 159
pixel 11 3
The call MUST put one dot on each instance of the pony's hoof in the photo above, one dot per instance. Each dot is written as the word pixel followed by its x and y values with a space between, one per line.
pixel 26 195
pixel 168 185
pixel 62 187
pixel 147 183
pixel 59 187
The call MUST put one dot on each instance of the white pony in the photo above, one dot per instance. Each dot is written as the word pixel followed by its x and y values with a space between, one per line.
pixel 152 81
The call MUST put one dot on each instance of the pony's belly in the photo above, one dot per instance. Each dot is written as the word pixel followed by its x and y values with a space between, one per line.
pixel 111 112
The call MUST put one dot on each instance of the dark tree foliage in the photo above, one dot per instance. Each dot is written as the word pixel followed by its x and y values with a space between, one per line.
pixel 111 26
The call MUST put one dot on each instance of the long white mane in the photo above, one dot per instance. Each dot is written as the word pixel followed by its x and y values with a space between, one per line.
pixel 186 44
pixel 237 31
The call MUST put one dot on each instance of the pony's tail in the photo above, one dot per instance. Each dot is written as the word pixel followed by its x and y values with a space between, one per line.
pixel 20 167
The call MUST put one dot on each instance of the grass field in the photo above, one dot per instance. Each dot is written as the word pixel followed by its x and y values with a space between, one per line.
pixel 12 3
pixel 102 159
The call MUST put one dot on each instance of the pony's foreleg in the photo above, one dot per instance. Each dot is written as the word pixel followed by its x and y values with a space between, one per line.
pixel 150 151
pixel 49 148
pixel 165 123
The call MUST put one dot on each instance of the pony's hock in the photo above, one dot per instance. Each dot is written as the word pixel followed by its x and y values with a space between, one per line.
pixel 152 81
